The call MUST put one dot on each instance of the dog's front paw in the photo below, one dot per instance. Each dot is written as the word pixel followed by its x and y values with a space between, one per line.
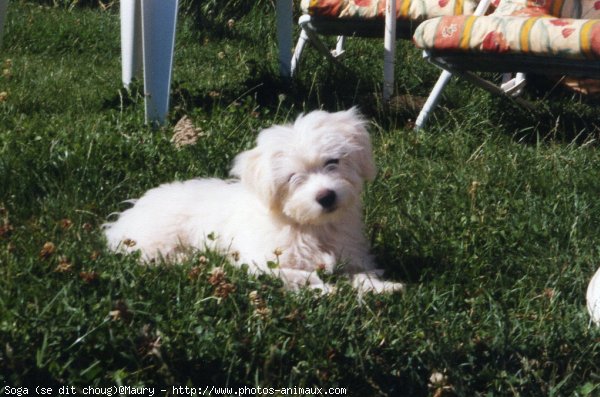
pixel 323 289
pixel 370 282
pixel 295 279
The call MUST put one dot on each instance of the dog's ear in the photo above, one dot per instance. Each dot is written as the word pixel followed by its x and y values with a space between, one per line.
pixel 253 170
pixel 357 134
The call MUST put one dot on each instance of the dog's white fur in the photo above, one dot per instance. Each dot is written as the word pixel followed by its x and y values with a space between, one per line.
pixel 295 203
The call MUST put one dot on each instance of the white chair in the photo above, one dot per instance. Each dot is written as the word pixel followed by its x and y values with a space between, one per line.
pixel 552 37
pixel 147 44
pixel 512 86
pixel 3 11
pixel 593 298
pixel 391 19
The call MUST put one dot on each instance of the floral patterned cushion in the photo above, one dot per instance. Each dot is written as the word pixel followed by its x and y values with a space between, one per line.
pixel 580 9
pixel 529 28
pixel 375 9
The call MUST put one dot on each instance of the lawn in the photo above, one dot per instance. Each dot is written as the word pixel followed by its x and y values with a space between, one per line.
pixel 491 215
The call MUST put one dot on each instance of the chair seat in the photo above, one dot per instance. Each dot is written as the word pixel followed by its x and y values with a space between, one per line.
pixel 519 36
pixel 500 63
pixel 409 10
pixel 542 35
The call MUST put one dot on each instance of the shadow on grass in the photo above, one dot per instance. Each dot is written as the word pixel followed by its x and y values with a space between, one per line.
pixel 561 115
pixel 411 269
pixel 126 97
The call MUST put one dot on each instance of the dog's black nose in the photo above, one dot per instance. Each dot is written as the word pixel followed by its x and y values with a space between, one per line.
pixel 326 198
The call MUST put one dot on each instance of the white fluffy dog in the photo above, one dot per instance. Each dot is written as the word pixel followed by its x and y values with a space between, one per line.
pixel 295 203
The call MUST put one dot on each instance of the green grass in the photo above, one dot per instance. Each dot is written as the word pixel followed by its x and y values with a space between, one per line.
pixel 491 215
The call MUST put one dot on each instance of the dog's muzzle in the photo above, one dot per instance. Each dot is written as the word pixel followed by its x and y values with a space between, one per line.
pixel 327 199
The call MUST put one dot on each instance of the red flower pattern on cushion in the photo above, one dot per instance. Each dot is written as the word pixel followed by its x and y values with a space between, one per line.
pixel 566 32
pixel 447 34
pixel 530 12
pixel 363 3
pixel 327 7
pixel 494 42
pixel 443 3
pixel 597 5
pixel 595 41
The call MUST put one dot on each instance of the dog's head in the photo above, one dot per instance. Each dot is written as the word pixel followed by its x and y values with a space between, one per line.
pixel 311 171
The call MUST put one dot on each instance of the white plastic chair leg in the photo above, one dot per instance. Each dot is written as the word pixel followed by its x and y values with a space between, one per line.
pixel 131 40
pixel 389 54
pixel 308 32
pixel 339 47
pixel 314 39
pixel 513 86
pixel 444 78
pixel 147 43
pixel 433 99
pixel 298 51
pixel 284 36
pixel 159 21
pixel 3 11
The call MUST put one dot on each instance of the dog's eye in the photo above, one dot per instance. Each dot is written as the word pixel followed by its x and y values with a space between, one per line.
pixel 331 164
pixel 296 179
